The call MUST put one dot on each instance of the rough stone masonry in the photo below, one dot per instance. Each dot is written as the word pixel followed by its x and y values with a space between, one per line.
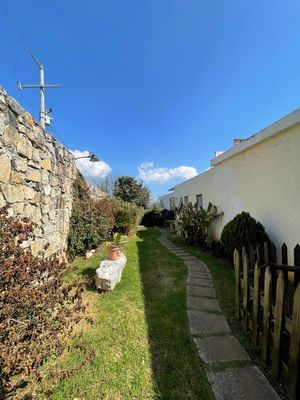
pixel 36 177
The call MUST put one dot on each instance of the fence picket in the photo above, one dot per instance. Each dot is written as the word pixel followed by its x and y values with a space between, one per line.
pixel 284 254
pixel 296 263
pixel 266 315
pixel 258 255
pixel 280 293
pixel 237 272
pixel 256 294
pixel 294 347
pixel 265 271
pixel 245 261
pixel 252 257
pixel 266 254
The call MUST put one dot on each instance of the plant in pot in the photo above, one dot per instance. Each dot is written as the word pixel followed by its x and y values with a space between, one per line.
pixel 115 246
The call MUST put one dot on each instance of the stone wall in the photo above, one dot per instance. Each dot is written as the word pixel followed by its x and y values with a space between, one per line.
pixel 36 177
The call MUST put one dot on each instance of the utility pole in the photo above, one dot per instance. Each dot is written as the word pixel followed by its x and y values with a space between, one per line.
pixel 42 87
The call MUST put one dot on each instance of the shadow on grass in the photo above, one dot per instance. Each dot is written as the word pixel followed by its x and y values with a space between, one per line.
pixel 86 270
pixel 177 370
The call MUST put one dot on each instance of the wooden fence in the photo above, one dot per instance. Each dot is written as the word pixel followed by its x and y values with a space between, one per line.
pixel 267 297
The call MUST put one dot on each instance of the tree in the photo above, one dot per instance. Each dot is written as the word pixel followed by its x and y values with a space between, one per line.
pixel 129 189
pixel 106 183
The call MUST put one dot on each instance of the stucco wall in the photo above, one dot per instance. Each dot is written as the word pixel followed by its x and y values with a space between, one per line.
pixel 165 201
pixel 263 180
pixel 36 177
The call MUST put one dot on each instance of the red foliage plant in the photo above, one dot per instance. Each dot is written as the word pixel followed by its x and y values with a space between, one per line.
pixel 37 309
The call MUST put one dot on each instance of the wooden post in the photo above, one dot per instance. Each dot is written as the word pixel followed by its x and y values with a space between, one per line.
pixel 296 263
pixel 256 294
pixel 252 257
pixel 245 261
pixel 294 347
pixel 280 292
pixel 284 255
pixel 266 316
pixel 266 254
pixel 237 272
pixel 258 255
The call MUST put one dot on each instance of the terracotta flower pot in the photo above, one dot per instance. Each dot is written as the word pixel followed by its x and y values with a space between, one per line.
pixel 114 252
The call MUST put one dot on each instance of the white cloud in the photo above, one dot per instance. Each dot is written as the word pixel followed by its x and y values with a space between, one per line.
pixel 151 173
pixel 88 168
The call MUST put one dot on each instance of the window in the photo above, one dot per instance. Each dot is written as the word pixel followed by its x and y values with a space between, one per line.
pixel 172 203
pixel 180 202
pixel 199 201
pixel 186 201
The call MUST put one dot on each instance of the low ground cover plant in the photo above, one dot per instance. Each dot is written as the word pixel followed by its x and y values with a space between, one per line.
pixel 37 309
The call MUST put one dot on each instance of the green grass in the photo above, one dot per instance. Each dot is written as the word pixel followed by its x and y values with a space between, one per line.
pixel 140 334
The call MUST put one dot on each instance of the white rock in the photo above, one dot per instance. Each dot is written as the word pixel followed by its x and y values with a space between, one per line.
pixel 110 273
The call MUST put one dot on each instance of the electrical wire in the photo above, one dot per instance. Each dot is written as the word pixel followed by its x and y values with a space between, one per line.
pixel 29 50
pixel 18 32
pixel 15 71
pixel 58 136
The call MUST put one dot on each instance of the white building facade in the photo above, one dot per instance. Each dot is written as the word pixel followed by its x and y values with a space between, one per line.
pixel 260 175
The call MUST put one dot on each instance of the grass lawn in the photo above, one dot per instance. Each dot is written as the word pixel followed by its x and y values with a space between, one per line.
pixel 140 334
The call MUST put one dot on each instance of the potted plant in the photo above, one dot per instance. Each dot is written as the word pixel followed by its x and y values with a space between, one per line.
pixel 115 246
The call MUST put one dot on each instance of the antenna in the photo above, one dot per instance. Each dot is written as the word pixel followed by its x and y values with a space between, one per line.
pixel 45 119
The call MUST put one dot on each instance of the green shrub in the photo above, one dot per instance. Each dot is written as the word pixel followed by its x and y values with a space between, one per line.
pixel 127 215
pixel 91 222
pixel 157 218
pixel 243 230
pixel 152 218
pixel 193 223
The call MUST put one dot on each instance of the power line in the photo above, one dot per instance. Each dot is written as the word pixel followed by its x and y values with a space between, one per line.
pixel 18 32
pixel 58 136
pixel 16 75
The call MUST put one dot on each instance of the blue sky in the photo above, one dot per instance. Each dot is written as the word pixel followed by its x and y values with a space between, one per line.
pixel 155 87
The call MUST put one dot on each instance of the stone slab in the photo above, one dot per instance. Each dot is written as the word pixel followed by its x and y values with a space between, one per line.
pixel 109 273
pixel 202 303
pixel 180 255
pixel 200 282
pixel 216 349
pixel 200 274
pixel 201 291
pixel 196 261
pixel 241 384
pixel 204 322
pixel 188 258
pixel 197 268
pixel 197 265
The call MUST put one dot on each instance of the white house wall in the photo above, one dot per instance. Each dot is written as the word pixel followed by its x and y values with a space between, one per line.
pixel 263 180
pixel 165 201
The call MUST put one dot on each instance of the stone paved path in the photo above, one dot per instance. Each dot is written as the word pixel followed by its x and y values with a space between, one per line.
pixel 218 349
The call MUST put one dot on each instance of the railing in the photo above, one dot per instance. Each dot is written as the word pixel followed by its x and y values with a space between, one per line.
pixel 267 297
